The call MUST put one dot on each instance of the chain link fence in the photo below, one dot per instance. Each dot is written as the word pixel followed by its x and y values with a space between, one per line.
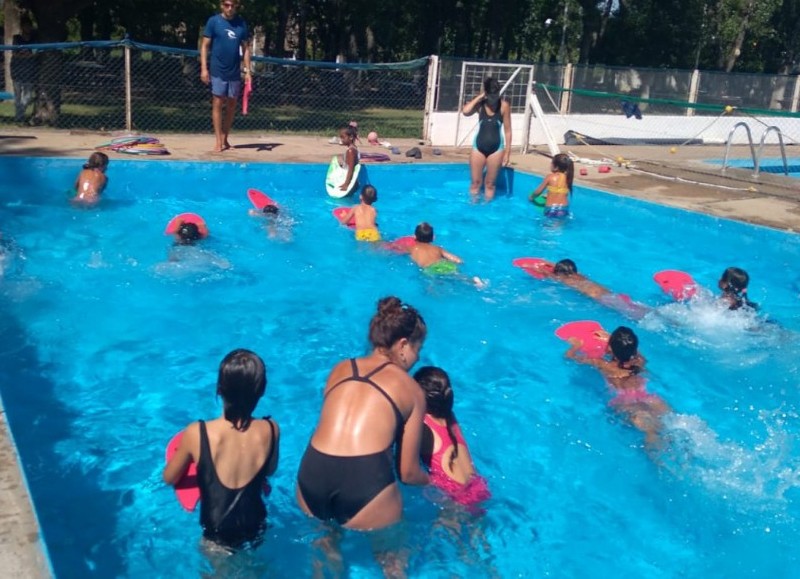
pixel 125 85
pixel 130 86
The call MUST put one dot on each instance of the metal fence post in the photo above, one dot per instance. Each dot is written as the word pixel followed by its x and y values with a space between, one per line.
pixel 430 95
pixel 796 95
pixel 694 83
pixel 566 84
pixel 128 100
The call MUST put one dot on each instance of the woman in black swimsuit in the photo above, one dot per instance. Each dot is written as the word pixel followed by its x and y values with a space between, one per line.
pixel 369 404
pixel 491 148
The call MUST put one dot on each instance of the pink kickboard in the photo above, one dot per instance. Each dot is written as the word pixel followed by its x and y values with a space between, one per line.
pixel 339 212
pixel 401 244
pixel 594 338
pixel 679 285
pixel 534 266
pixel 259 199
pixel 248 88
pixel 186 490
pixel 175 223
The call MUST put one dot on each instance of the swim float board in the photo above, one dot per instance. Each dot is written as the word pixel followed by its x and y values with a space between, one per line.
pixel 336 176
pixel 186 490
pixel 259 199
pixel 175 223
pixel 248 88
pixel 339 212
pixel 534 266
pixel 592 335
pixel 539 201
pixel 679 285
pixel 401 244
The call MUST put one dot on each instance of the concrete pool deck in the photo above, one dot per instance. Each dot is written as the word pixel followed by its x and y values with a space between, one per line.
pixel 678 178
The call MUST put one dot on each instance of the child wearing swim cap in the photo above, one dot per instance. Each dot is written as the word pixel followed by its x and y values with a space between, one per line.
pixel 443 450
pixel 364 215
pixel 91 180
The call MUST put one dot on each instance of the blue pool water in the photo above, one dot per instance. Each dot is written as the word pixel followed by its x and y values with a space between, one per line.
pixel 107 351
pixel 767 165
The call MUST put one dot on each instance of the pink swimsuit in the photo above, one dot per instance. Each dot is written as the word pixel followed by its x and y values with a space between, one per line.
pixel 474 490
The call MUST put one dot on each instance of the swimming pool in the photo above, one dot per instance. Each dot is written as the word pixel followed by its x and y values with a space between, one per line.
pixel 107 351
pixel 767 165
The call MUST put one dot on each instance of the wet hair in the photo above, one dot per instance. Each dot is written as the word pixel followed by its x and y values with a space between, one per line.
pixel 733 283
pixel 241 382
pixel 270 209
pixel 424 232
pixel 394 321
pixel 625 346
pixel 565 267
pixel 96 161
pixel 491 88
pixel 369 194
pixel 350 131
pixel 439 400
pixel 188 233
pixel 564 164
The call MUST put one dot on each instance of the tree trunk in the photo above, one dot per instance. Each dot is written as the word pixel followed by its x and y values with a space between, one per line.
pixel 11 14
pixel 736 49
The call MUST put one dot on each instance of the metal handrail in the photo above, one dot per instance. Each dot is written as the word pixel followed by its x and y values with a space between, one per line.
pixel 757 163
pixel 728 144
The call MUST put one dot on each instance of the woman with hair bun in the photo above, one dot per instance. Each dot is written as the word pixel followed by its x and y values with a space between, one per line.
pixel 347 472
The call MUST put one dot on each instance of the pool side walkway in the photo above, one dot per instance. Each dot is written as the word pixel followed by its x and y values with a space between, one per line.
pixel 21 550
pixel 660 174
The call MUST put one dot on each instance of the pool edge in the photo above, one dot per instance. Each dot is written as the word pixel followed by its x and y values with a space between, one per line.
pixel 23 551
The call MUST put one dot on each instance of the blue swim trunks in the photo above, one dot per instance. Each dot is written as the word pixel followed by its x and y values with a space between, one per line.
pixel 225 88
pixel 556 211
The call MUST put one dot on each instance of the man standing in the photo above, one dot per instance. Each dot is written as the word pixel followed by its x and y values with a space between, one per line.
pixel 225 33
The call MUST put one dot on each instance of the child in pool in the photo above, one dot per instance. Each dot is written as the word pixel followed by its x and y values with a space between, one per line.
pixel 559 186
pixel 276 226
pixel 234 453
pixel 622 370
pixel 733 283
pixel 444 451
pixel 432 258
pixel 91 180
pixel 348 136
pixel 364 215
pixel 188 234
pixel 435 260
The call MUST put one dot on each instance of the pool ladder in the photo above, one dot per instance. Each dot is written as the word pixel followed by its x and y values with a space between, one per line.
pixel 756 156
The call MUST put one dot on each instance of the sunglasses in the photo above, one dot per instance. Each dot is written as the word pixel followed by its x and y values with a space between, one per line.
pixel 229 5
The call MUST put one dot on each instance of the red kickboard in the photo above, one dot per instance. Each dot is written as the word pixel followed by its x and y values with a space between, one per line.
pixel 679 285
pixel 592 334
pixel 248 88
pixel 186 490
pixel 259 199
pixel 535 266
pixel 175 223
pixel 401 244
pixel 339 212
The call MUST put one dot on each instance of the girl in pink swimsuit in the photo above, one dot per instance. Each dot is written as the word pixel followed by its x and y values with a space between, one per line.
pixel 623 373
pixel 444 450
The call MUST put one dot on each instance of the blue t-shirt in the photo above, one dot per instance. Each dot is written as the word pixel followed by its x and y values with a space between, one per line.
pixel 226 38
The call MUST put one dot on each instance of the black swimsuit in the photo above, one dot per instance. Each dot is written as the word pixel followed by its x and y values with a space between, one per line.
pixel 231 517
pixel 338 487
pixel 490 137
